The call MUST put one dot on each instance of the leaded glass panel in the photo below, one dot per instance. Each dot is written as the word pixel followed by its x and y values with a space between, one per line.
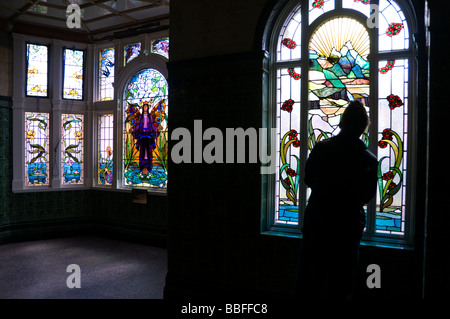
pixel 106 66
pixel 36 149
pixel 131 51
pixel 105 149
pixel 37 70
pixel 73 74
pixel 72 149
pixel 161 46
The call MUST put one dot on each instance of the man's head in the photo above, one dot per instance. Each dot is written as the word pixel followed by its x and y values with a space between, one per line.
pixel 354 120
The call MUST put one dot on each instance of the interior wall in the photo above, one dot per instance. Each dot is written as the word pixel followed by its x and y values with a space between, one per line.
pixel 437 258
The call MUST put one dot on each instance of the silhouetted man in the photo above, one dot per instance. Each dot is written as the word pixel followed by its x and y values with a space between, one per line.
pixel 342 175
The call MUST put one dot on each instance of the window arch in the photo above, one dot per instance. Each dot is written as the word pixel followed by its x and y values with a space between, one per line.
pixel 324 54
pixel 145 135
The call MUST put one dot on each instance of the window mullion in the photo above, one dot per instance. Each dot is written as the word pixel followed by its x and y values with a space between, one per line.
pixel 373 129
pixel 304 69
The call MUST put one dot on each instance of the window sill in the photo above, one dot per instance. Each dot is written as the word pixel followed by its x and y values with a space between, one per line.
pixel 39 189
pixel 157 192
pixel 373 242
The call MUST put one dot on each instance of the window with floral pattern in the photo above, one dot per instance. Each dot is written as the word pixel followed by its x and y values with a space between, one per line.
pixel 322 59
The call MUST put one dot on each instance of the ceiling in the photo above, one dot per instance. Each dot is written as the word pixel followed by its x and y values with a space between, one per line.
pixel 100 20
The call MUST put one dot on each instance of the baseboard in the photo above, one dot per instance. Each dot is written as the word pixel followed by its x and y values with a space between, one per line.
pixel 47 229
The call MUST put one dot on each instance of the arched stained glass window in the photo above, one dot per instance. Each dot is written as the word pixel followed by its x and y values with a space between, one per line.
pixel 322 59
pixel 145 138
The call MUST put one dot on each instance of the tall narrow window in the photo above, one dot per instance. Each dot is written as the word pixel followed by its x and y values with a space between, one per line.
pixel 106 67
pixel 161 46
pixel 37 70
pixel 73 74
pixel 311 91
pixel 105 149
pixel 145 138
pixel 339 73
pixel 36 149
pixel 131 51
pixel 72 146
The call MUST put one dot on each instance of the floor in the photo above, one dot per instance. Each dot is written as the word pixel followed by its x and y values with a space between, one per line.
pixel 108 269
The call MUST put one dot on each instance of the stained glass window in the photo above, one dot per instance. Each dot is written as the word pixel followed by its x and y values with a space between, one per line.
pixel 36 149
pixel 339 64
pixel 392 145
pixel 105 148
pixel 37 70
pixel 106 74
pixel 72 149
pixel 392 27
pixel 289 44
pixel 145 138
pixel 161 46
pixel 73 74
pixel 288 164
pixel 339 73
pixel 130 52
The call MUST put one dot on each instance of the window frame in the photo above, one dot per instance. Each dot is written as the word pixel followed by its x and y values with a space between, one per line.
pixel 49 47
pixel 90 106
pixel 123 74
pixel 153 61
pixel 370 237
pixel 96 182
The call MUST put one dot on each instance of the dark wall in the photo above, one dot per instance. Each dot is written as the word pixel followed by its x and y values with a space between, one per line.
pixel 215 247
pixel 437 265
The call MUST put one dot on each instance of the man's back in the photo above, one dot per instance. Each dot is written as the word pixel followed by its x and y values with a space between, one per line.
pixel 342 175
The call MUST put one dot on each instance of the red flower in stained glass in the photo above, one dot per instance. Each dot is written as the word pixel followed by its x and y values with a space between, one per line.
pixel 293 135
pixel 387 135
pixel 296 143
pixel 392 185
pixel 394 29
pixel 287 105
pixel 363 1
pixel 389 65
pixel 291 172
pixel 289 43
pixel 293 74
pixel 287 180
pixel 387 176
pixel 318 3
pixel 382 144
pixel 394 101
